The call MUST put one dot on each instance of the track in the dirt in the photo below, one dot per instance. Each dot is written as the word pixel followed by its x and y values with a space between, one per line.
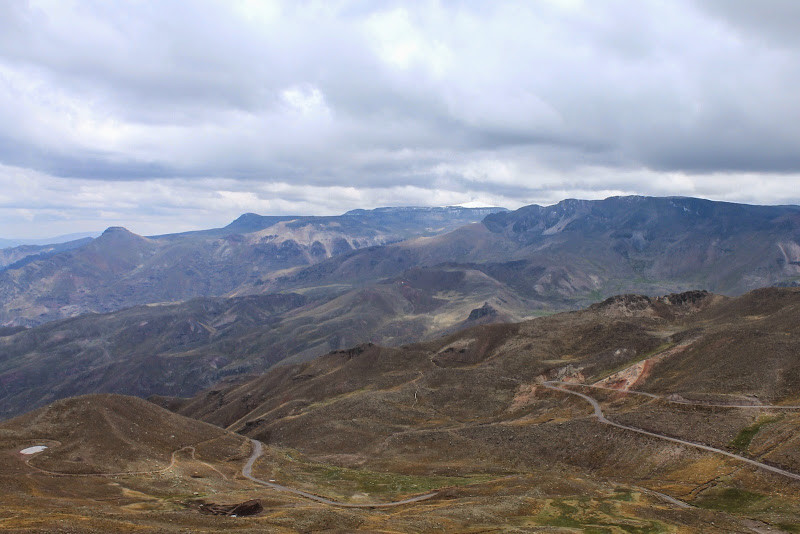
pixel 598 412
pixel 258 450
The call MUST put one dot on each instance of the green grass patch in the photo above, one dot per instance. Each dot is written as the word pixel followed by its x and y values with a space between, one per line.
pixel 789 527
pixel 594 516
pixel 342 482
pixel 622 495
pixel 383 483
pixel 742 440
pixel 731 500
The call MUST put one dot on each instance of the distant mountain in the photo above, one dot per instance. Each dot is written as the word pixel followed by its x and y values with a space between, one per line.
pixel 17 256
pixel 9 243
pixel 121 269
pixel 577 251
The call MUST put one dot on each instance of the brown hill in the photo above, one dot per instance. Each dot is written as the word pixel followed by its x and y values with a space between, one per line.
pixel 120 464
pixel 469 417
pixel 474 401
pixel 106 434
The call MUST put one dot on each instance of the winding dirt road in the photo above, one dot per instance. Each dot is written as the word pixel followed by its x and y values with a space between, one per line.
pixel 258 450
pixel 680 401
pixel 598 412
pixel 247 472
pixel 172 462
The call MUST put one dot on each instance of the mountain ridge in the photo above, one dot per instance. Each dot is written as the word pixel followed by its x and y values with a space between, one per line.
pixel 120 268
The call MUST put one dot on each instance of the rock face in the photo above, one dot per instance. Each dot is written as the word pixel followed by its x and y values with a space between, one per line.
pixel 642 305
pixel 246 508
pixel 484 311
pixel 685 240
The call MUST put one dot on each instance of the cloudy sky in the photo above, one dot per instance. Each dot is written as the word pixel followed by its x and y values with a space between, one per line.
pixel 172 115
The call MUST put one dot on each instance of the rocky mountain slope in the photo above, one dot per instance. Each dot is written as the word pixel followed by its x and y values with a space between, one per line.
pixel 121 269
pixel 563 256
pixel 17 256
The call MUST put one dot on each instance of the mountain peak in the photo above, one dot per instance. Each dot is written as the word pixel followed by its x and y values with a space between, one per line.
pixel 253 222
pixel 118 232
pixel 116 236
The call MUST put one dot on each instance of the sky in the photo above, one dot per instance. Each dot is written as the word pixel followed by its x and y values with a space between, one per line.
pixel 165 116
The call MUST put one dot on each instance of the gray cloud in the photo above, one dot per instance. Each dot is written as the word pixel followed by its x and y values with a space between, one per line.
pixel 510 102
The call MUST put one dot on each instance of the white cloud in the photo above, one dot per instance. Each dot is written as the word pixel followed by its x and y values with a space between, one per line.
pixel 168 115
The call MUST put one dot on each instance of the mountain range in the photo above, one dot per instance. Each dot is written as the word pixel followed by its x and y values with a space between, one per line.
pixel 506 268
pixel 121 269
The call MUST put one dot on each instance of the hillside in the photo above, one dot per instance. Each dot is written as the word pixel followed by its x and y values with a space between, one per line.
pixel 512 266
pixel 178 349
pixel 478 401
pixel 107 434
pixel 16 256
pixel 114 464
pixel 121 269
pixel 173 349
pixel 487 425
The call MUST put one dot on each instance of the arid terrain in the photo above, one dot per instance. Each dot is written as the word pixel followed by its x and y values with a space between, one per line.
pixel 386 267
pixel 697 396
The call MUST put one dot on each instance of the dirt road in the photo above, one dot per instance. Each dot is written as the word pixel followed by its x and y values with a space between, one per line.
pixel 258 450
pixel 680 401
pixel 598 412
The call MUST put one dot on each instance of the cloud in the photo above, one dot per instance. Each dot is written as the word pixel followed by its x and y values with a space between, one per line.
pixel 295 103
